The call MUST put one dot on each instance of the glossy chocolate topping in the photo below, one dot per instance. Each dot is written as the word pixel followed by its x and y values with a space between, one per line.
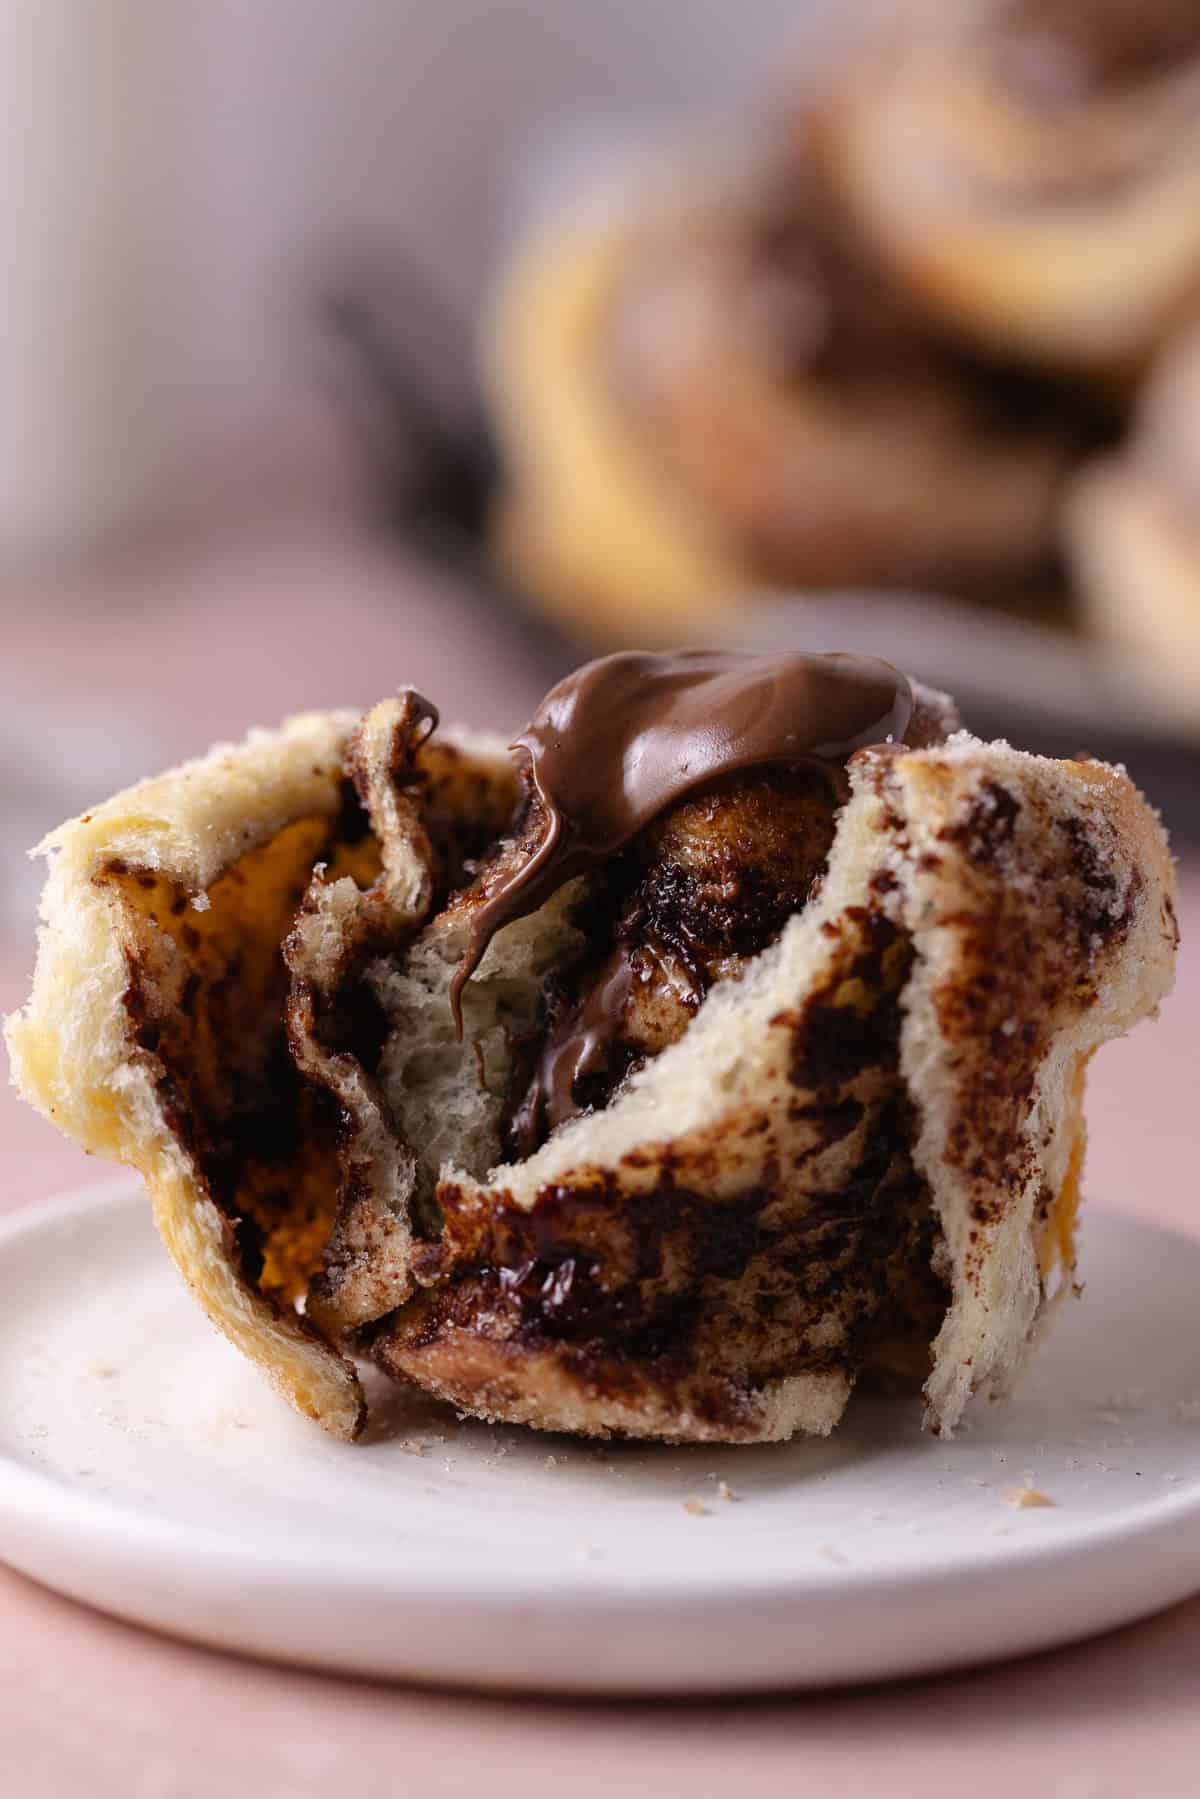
pixel 622 739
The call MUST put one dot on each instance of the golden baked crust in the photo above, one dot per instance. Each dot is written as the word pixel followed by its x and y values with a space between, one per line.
pixel 186 879
pixel 1040 900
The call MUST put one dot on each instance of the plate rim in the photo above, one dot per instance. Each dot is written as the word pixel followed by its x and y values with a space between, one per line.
pixel 1168 1513
pixel 1138 1550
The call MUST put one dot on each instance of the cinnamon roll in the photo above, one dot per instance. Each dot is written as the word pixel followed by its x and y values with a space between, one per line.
pixel 718 1046
pixel 1028 171
pixel 1131 532
pixel 718 395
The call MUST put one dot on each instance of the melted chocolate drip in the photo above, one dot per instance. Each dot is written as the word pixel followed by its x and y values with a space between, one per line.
pixel 624 738
pixel 577 1046
pixel 584 1052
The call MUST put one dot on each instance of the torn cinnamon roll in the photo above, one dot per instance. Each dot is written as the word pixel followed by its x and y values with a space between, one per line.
pixel 719 1046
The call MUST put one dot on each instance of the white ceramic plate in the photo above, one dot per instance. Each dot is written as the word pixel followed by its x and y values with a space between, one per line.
pixel 145 1468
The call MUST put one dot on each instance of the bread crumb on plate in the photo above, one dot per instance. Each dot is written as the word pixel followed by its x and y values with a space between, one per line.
pixel 1026 1497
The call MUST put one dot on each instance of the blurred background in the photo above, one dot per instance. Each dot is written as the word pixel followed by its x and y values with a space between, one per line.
pixel 196 468
pixel 347 346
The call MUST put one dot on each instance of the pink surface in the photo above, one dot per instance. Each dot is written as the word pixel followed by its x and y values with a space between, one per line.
pixel 89 1703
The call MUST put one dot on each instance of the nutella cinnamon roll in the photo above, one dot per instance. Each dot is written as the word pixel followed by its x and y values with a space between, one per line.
pixel 717 1046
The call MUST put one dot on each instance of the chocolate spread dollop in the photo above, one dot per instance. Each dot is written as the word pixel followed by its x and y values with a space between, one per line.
pixel 624 738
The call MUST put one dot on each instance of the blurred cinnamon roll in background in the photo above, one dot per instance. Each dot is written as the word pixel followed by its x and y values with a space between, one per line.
pixel 872 347
pixel 1132 533
pixel 1028 171
pixel 719 394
